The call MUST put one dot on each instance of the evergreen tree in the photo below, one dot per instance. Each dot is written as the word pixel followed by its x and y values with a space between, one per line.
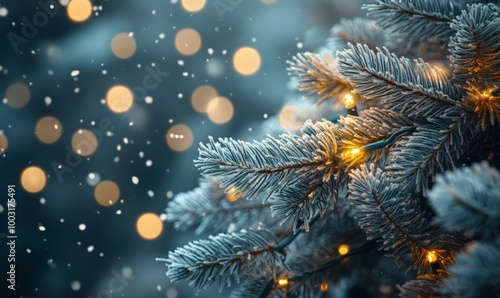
pixel 402 198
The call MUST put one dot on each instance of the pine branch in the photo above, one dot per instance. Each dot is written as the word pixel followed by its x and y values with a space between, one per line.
pixel 468 200
pixel 427 285
pixel 476 273
pixel 418 19
pixel 474 47
pixel 208 206
pixel 267 166
pixel 389 217
pixel 317 74
pixel 419 157
pixel 222 258
pixel 415 90
pixel 356 31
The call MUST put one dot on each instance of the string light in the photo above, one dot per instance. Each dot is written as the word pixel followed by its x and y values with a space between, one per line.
pixel 343 249
pixel 432 257
pixel 233 194
pixel 353 156
pixel 324 287
pixel 283 282
pixel 349 101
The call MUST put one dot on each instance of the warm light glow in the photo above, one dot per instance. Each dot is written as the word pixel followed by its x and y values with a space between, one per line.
pixel 119 99
pixel 283 282
pixel 246 61
pixel 202 96
pixel 233 194
pixel 179 137
pixel 48 130
pixel 17 95
pixel 287 118
pixel 33 179
pixel 4 143
pixel 220 110
pixel 193 5
pixel 79 10
pixel 343 249
pixel 355 151
pixel 149 226
pixel 106 193
pixel 123 45
pixel 311 194
pixel 84 142
pixel 324 287
pixel 349 101
pixel 188 41
pixel 432 257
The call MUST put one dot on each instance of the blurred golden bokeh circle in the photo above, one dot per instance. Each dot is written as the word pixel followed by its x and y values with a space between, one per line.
pixel 4 142
pixel 149 226
pixel 17 95
pixel 84 142
pixel 201 96
pixel 33 179
pixel 179 137
pixel 123 45
pixel 106 193
pixel 48 130
pixel 79 10
pixel 246 61
pixel 119 99
pixel 193 5
pixel 187 41
pixel 220 110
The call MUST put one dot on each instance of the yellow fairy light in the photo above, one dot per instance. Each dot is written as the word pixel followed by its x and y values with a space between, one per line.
pixel 324 287
pixel 233 194
pixel 343 249
pixel 355 151
pixel 432 256
pixel 349 101
pixel 283 282
pixel 311 194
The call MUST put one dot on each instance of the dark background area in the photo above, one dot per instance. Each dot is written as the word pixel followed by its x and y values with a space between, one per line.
pixel 53 258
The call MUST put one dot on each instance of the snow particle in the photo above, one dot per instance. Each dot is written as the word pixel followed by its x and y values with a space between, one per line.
pixel 82 227
pixel 75 285
pixel 135 180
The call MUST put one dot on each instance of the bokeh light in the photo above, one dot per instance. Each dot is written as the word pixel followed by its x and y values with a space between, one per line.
pixel 201 96
pixel 79 10
pixel 119 99
pixel 48 130
pixel 179 137
pixel 193 5
pixel 287 118
pixel 123 45
pixel 188 41
pixel 343 249
pixel 246 61
pixel 17 95
pixel 220 110
pixel 33 179
pixel 4 142
pixel 84 142
pixel 149 226
pixel 106 193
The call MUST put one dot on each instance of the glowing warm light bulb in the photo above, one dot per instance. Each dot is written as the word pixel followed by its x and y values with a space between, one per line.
pixel 355 151
pixel 233 194
pixel 283 282
pixel 324 287
pixel 343 249
pixel 349 101
pixel 432 257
